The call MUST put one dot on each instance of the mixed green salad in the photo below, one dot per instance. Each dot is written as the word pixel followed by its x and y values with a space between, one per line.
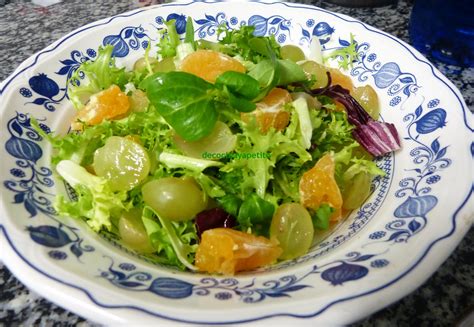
pixel 218 156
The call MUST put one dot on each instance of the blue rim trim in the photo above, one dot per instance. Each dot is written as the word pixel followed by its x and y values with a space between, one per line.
pixel 425 253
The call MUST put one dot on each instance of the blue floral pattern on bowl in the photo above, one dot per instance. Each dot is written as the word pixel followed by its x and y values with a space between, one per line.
pixel 411 213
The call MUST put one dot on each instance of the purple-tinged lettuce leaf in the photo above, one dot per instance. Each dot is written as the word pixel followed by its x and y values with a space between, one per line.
pixel 378 138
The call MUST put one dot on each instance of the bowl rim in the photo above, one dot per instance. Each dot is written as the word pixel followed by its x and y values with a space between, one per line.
pixel 14 259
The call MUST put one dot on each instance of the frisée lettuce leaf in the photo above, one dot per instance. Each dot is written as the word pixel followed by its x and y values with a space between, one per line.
pixel 95 200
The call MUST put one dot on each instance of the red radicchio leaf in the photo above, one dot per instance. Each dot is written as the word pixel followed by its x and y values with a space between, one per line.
pixel 213 218
pixel 378 138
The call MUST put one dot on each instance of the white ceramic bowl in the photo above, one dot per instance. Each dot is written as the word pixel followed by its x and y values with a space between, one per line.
pixel 409 225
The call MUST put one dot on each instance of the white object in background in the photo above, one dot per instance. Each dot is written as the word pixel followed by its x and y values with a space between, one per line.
pixel 45 3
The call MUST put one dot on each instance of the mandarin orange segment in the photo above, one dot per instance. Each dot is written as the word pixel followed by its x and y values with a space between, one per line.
pixel 318 186
pixel 276 97
pixel 338 78
pixel 108 104
pixel 270 111
pixel 227 251
pixel 209 64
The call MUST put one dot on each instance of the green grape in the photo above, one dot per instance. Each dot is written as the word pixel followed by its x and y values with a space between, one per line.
pixel 319 72
pixel 292 52
pixel 138 101
pixel 368 99
pixel 140 64
pixel 123 162
pixel 176 199
pixel 356 191
pixel 164 66
pixel 221 140
pixel 292 227
pixel 133 233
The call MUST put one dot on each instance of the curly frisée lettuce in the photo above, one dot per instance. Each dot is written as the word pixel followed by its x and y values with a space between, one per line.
pixel 227 155
pixel 96 202
pixel 94 76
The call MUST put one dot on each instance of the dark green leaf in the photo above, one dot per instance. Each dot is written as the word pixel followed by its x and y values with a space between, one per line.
pixel 184 101
pixel 261 45
pixel 263 72
pixel 230 203
pixel 322 216
pixel 239 84
pixel 240 104
pixel 267 74
pixel 290 72
pixel 257 213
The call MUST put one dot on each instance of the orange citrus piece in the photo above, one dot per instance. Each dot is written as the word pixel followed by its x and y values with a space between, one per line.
pixel 318 186
pixel 338 78
pixel 208 64
pixel 227 251
pixel 108 104
pixel 270 111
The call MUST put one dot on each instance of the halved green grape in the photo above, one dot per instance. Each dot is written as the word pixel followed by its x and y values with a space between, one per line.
pixel 221 140
pixel 292 227
pixel 318 71
pixel 176 199
pixel 140 64
pixel 292 52
pixel 133 233
pixel 123 162
pixel 164 66
pixel 356 190
pixel 368 99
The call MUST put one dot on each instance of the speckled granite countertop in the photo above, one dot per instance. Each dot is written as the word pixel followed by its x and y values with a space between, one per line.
pixel 26 29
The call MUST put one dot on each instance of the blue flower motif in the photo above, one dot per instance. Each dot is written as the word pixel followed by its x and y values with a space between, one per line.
pixel 433 179
pixel 145 44
pixel 128 38
pixel 17 172
pixel 310 22
pixel 344 272
pixel 416 206
pixel 371 57
pixel 281 38
pixel 234 21
pixel 377 235
pixel 433 103
pixel 49 236
pixel 25 92
pixel 127 266
pixel 396 100
pixel 431 121
pixel 180 22
pixel 379 263
pixel 45 128
pixel 159 20
pixel 223 296
pixel 386 75
pixel 57 255
pixel 91 53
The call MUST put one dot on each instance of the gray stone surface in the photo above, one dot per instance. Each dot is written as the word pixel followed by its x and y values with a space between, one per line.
pixel 26 28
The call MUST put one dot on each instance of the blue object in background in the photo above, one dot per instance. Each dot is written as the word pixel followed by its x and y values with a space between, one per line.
pixel 444 30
